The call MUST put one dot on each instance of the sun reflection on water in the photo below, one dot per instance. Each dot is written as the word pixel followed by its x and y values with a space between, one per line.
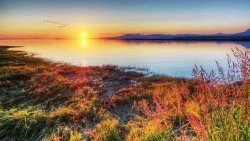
pixel 84 43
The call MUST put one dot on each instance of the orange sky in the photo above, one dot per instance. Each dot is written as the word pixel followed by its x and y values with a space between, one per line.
pixel 25 19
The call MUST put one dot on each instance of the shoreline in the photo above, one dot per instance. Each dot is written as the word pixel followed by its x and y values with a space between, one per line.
pixel 45 100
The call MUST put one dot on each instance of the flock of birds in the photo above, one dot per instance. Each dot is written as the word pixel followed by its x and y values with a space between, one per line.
pixel 61 25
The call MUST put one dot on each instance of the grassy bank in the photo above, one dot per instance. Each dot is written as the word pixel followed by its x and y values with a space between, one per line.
pixel 43 100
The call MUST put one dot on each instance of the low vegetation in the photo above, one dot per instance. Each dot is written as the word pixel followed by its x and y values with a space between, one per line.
pixel 43 100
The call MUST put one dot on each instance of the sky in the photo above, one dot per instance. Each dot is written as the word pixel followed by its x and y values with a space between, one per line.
pixel 105 18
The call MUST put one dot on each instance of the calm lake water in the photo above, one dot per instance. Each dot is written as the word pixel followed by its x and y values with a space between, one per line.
pixel 162 57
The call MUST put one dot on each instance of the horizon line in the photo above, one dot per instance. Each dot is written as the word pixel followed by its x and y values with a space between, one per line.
pixel 117 35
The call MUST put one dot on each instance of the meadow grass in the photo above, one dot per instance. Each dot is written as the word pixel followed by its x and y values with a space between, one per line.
pixel 44 100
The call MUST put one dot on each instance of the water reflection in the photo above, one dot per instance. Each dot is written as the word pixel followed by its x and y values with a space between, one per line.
pixel 164 57
pixel 237 43
pixel 84 43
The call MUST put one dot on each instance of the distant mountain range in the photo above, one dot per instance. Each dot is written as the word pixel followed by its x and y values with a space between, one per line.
pixel 242 36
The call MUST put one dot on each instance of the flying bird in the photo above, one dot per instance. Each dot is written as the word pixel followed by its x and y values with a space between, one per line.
pixel 61 25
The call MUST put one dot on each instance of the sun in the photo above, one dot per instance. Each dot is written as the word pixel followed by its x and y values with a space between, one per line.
pixel 83 35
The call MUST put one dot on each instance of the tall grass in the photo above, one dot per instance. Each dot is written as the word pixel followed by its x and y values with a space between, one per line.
pixel 210 107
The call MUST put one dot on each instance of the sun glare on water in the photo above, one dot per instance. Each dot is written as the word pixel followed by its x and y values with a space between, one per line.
pixel 83 39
